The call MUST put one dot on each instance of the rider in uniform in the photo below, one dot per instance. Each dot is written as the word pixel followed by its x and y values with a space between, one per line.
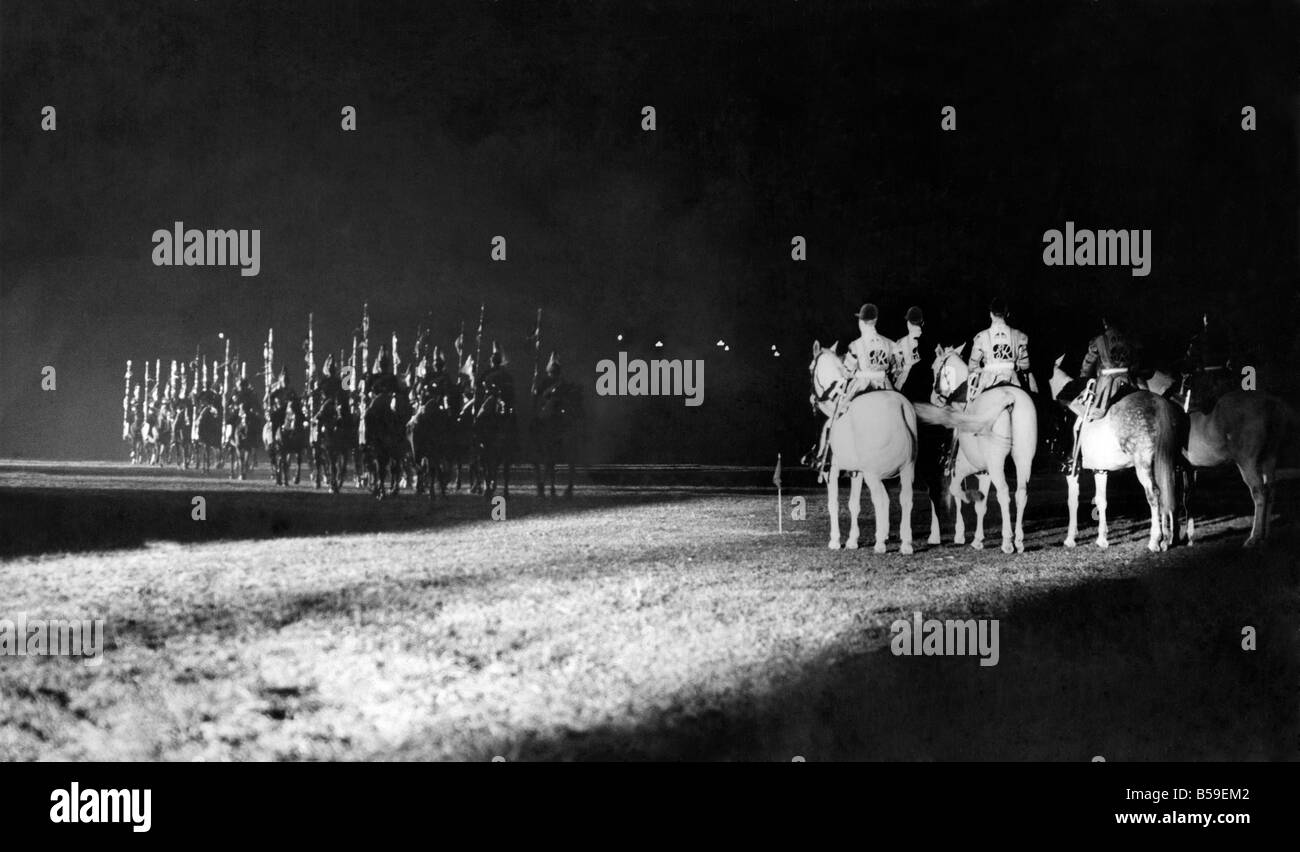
pixel 912 381
pixel 498 382
pixel 439 385
pixel 1112 360
pixel 999 355
pixel 549 382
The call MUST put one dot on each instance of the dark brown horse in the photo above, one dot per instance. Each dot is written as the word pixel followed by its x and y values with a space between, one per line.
pixel 557 433
pixel 1255 431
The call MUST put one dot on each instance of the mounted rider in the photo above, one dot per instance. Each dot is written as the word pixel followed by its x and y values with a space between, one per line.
pixel 913 382
pixel 868 361
pixel 243 398
pixel 549 382
pixel 382 381
pixel 497 381
pixel 1112 359
pixel 999 355
pixel 1110 364
pixel 330 387
pixel 870 356
pixel 437 385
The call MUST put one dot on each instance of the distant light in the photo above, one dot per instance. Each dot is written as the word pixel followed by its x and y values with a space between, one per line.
pixel 659 344
pixel 777 354
pixel 773 347
pixel 620 337
pixel 221 335
pixel 721 342
pixel 726 349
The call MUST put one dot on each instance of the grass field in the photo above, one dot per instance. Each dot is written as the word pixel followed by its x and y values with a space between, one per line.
pixel 646 623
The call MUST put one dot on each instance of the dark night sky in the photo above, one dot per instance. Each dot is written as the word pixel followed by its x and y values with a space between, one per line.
pixel 523 119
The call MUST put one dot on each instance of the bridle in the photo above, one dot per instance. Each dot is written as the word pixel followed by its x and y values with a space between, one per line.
pixel 820 394
pixel 938 377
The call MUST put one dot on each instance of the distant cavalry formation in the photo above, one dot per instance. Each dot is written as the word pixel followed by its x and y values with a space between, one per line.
pixel 419 423
pixel 887 417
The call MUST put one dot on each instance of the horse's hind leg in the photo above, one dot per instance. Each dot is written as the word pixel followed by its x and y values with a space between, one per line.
pixel 998 477
pixel 1146 477
pixel 880 505
pixel 981 507
pixel 1101 477
pixel 855 507
pixel 905 508
pixel 1259 495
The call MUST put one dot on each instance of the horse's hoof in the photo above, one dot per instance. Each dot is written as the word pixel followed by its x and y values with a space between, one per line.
pixel 1103 543
pixel 1069 542
pixel 977 545
pixel 834 544
pixel 1008 547
pixel 851 544
pixel 934 539
pixel 1252 542
pixel 1020 547
pixel 880 547
pixel 905 549
pixel 959 539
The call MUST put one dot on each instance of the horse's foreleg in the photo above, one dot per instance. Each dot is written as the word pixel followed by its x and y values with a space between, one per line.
pixel 905 478
pixel 1100 478
pixel 959 519
pixel 1072 489
pixel 855 508
pixel 833 504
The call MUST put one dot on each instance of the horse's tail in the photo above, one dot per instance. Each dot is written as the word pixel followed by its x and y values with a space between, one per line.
pixel 962 421
pixel 1169 441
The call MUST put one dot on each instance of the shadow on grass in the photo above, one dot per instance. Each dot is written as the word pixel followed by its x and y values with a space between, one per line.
pixel 40 520
pixel 1148 668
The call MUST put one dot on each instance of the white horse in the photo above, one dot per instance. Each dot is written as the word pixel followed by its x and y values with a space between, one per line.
pixel 1000 422
pixel 1143 431
pixel 875 438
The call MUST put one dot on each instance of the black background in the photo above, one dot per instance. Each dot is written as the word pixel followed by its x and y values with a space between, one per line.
pixel 523 119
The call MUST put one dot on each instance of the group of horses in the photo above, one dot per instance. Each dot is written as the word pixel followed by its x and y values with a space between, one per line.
pixel 1165 433
pixel 393 439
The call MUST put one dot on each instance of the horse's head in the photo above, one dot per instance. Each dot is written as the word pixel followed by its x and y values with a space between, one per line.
pixel 826 371
pixel 950 373
pixel 1060 378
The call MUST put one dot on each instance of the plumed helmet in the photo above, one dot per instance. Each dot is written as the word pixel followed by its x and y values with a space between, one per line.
pixel 868 312
pixel 914 316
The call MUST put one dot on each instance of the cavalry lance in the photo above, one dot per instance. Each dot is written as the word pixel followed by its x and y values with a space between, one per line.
pixel 126 404
pixel 365 351
pixel 537 350
pixel 478 356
